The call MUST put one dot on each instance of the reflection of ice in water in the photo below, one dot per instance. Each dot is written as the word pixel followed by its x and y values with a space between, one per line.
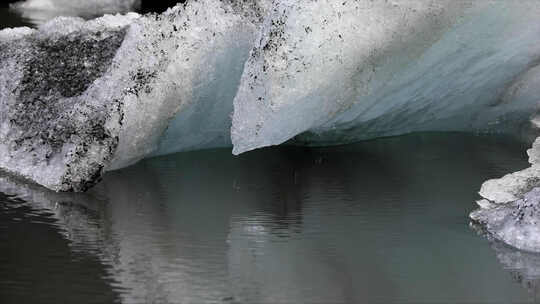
pixel 523 266
pixel 78 215
pixel 153 259
pixel 349 224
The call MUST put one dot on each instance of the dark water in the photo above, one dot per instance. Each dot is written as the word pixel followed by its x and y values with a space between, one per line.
pixel 32 18
pixel 383 221
pixel 8 18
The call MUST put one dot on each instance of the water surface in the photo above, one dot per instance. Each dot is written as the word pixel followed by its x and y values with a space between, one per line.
pixel 35 17
pixel 9 18
pixel 383 221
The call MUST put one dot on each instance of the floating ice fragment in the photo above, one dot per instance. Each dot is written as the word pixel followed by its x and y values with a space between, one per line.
pixel 516 223
pixel 510 208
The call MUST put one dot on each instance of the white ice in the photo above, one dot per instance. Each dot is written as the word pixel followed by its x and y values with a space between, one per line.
pixel 336 71
pixel 510 208
pixel 316 72
pixel 178 66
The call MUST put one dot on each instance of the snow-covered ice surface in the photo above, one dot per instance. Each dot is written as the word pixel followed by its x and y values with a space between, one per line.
pixel 40 11
pixel 78 98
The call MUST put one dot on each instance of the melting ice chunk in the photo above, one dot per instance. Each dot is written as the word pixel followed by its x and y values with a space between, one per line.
pixel 510 210
pixel 49 132
pixel 78 98
pixel 337 71
pixel 515 223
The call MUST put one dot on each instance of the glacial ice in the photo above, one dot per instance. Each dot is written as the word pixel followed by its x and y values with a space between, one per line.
pixel 515 223
pixel 510 208
pixel 513 186
pixel 331 72
pixel 79 98
pixel 49 132
pixel 40 11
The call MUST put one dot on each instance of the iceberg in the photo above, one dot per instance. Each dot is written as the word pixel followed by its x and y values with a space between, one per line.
pixel 510 208
pixel 203 226
pixel 329 72
pixel 515 223
pixel 78 98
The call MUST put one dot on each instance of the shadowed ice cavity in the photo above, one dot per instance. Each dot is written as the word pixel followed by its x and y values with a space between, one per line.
pixel 368 222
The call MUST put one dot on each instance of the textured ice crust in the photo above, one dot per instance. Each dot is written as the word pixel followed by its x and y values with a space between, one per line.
pixel 524 266
pixel 327 72
pixel 50 131
pixel 516 223
pixel 510 208
pixel 79 97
